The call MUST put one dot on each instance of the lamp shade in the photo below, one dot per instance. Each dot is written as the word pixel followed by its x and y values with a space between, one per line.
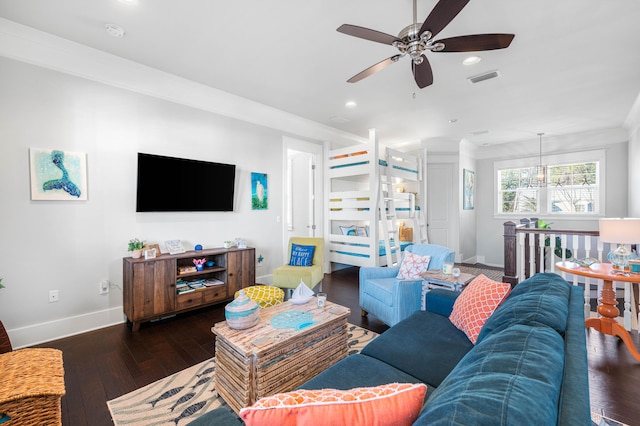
pixel 620 230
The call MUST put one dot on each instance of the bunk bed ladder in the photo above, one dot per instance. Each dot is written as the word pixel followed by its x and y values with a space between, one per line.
pixel 389 220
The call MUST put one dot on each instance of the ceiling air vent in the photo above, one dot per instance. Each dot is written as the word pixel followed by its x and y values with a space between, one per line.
pixel 485 76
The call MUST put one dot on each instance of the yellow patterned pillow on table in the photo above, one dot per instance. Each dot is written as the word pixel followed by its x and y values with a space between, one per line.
pixel 394 403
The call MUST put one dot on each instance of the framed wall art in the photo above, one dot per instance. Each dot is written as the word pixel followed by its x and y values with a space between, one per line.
pixel 58 175
pixel 468 189
pixel 259 192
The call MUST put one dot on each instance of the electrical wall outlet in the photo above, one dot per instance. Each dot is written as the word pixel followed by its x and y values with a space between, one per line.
pixel 53 296
pixel 104 286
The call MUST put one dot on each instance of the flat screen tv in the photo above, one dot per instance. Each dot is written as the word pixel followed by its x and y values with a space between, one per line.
pixel 168 184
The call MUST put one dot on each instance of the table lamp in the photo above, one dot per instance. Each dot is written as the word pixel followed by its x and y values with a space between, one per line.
pixel 620 231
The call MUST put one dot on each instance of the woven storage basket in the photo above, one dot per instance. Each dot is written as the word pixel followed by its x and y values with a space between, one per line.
pixel 31 386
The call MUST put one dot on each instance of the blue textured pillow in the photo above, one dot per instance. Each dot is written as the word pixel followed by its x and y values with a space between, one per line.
pixel 513 377
pixel 301 255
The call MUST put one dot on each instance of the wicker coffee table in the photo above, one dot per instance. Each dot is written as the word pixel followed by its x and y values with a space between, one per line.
pixel 264 360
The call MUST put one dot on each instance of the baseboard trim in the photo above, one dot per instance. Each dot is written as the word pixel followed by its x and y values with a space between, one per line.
pixel 52 330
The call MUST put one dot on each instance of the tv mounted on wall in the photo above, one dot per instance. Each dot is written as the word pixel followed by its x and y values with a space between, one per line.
pixel 169 184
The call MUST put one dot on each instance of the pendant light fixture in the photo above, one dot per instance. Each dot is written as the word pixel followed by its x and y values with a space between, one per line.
pixel 540 178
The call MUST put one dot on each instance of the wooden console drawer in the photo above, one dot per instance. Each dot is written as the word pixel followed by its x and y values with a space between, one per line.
pixel 188 300
pixel 214 294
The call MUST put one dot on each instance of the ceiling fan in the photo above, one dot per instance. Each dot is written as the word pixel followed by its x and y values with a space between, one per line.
pixel 417 38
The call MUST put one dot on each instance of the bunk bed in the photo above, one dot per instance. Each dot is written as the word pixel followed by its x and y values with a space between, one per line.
pixel 354 174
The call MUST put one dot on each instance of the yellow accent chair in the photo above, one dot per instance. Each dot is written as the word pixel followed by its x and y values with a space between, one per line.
pixel 289 277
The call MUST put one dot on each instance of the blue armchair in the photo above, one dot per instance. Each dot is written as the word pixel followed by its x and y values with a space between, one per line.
pixel 390 299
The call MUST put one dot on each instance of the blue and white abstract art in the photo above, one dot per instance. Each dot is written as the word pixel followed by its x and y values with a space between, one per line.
pixel 58 175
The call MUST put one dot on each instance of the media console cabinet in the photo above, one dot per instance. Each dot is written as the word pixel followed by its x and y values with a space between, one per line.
pixel 166 285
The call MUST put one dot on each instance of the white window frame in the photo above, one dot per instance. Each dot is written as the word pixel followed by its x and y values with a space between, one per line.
pixel 544 204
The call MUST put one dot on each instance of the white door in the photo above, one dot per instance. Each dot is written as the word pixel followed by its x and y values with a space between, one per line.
pixel 440 206
pixel 300 214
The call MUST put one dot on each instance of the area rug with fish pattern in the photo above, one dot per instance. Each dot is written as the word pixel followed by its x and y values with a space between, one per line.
pixel 188 394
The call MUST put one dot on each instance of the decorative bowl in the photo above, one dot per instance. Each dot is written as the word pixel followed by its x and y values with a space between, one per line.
pixel 242 313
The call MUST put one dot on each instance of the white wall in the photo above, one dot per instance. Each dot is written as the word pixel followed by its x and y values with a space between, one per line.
pixel 632 123
pixel 634 173
pixel 72 246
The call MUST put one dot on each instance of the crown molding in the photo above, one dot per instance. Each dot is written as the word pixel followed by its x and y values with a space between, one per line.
pixel 39 48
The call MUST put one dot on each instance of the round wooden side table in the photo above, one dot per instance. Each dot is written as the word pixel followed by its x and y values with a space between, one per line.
pixel 608 305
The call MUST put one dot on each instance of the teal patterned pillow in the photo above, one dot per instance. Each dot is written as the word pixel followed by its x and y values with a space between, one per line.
pixel 301 255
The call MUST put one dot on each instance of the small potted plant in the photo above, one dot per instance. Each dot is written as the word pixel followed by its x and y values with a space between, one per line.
pixel 199 263
pixel 135 247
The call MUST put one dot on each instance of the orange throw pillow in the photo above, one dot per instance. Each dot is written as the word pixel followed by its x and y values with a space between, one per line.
pixel 391 404
pixel 476 304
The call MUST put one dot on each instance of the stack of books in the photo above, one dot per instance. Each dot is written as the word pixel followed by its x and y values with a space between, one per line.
pixel 183 287
pixel 212 282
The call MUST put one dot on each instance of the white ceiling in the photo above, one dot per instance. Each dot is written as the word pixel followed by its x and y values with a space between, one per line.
pixel 574 65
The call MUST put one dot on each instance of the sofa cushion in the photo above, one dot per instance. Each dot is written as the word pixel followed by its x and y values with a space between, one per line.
pixel 425 345
pixel 413 265
pixel 355 371
pixel 540 300
pixel 393 403
pixel 512 377
pixel 476 304
pixel 221 416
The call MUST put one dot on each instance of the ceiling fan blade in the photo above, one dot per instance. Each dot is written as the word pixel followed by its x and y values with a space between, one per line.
pixel 476 42
pixel 422 73
pixel 367 34
pixel 374 69
pixel 441 15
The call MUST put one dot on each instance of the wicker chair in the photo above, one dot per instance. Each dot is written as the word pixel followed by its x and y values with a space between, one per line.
pixel 31 386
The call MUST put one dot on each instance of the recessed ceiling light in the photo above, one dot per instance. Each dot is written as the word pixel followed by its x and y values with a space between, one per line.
pixel 351 104
pixel 471 60
pixel 114 30
pixel 129 2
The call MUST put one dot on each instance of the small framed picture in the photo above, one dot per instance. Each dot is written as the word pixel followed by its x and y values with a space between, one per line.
pixel 150 253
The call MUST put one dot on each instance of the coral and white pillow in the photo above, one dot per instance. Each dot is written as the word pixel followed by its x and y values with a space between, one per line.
pixel 413 265
pixel 476 304
pixel 391 404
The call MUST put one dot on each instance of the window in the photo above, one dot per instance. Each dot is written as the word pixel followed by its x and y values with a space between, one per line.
pixel 573 186
pixel 516 193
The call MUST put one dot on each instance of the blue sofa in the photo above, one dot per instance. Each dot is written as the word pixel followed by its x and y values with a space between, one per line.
pixel 528 367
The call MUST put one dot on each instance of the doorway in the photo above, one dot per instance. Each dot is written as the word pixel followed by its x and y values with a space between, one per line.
pixel 302 190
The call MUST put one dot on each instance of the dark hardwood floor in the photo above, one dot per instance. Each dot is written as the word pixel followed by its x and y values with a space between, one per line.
pixel 106 363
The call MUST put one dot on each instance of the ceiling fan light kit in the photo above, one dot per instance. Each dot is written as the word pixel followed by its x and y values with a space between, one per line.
pixel 418 38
